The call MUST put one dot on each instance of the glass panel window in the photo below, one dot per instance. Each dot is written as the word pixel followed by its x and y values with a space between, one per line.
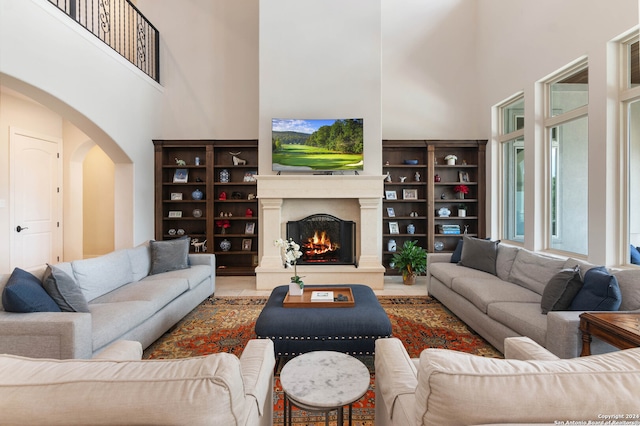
pixel 569 186
pixel 634 172
pixel 513 194
pixel 569 93
pixel 513 116
pixel 633 55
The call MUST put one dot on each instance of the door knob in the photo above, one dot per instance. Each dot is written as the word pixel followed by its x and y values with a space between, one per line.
pixel 20 228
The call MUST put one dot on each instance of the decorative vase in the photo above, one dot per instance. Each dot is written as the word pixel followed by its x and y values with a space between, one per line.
pixel 225 244
pixel 224 175
pixel 411 229
pixel 436 178
pixel 295 290
pixel 409 279
pixel 391 245
pixel 197 194
pixel 451 162
pixel 462 213
pixel 461 195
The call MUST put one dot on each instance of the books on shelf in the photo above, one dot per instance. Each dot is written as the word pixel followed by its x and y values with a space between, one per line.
pixel 322 296
pixel 449 229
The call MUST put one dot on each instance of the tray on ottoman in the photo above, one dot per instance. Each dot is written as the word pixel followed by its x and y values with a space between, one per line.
pixel 305 301
pixel 295 331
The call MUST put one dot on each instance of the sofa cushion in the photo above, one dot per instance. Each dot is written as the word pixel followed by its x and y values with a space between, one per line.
pixel 560 290
pixel 100 275
pixel 523 318
pixel 534 270
pixel 159 292
pixel 512 391
pixel 479 254
pixel 485 291
pixel 194 275
pixel 634 255
pixel 584 266
pixel 64 290
pixel 504 260
pixel 600 292
pixel 140 258
pixel 109 321
pixel 24 293
pixel 169 255
pixel 192 391
pixel 447 272
pixel 629 283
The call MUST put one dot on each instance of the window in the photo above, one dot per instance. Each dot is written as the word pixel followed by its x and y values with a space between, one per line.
pixel 511 139
pixel 630 96
pixel 567 141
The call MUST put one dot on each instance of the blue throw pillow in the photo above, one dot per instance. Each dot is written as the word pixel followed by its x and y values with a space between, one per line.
pixel 24 293
pixel 635 255
pixel 600 292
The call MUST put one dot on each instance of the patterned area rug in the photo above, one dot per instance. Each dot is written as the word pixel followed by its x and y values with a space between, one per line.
pixel 225 324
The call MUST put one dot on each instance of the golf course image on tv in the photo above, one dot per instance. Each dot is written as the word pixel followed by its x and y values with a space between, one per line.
pixel 317 144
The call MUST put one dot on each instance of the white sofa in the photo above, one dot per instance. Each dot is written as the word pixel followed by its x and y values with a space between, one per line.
pixel 508 304
pixel 532 386
pixel 117 388
pixel 124 302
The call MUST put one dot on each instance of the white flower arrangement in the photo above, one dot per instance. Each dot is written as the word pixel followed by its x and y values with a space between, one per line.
pixel 290 254
pixel 450 157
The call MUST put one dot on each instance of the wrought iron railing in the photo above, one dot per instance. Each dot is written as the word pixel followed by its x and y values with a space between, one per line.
pixel 120 25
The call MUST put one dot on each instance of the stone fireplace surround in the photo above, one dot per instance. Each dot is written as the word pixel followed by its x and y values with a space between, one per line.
pixel 293 197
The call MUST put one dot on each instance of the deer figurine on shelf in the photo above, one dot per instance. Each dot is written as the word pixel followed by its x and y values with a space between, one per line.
pixel 237 161
pixel 199 245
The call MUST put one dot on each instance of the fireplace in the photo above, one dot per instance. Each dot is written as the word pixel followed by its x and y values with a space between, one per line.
pixel 324 240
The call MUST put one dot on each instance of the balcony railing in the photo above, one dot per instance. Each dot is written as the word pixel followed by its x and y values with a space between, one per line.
pixel 120 25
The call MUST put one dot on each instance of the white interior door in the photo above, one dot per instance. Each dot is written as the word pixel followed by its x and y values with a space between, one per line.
pixel 36 199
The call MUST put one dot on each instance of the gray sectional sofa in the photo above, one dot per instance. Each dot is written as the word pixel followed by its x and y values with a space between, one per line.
pixel 121 300
pixel 508 303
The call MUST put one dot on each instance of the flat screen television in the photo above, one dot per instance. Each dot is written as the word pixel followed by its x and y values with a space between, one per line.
pixel 317 145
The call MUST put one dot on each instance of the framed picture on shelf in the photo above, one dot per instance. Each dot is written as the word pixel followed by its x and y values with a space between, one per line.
pixel 181 176
pixel 409 194
pixel 175 213
pixel 463 176
pixel 176 196
pixel 250 228
pixel 250 176
pixel 246 244
pixel 394 228
pixel 390 195
pixel 391 212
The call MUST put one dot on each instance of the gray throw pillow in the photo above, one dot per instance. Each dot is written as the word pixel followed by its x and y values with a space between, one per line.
pixel 561 290
pixel 64 290
pixel 479 254
pixel 169 255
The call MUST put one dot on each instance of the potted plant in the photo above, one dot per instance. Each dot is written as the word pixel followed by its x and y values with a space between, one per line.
pixel 462 210
pixel 451 159
pixel 461 190
pixel 291 253
pixel 411 261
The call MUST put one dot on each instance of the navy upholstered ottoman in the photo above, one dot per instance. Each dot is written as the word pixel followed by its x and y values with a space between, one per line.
pixel 296 331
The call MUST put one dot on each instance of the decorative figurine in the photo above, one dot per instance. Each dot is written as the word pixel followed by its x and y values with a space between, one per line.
pixel 403 178
pixel 388 178
pixel 180 162
pixel 442 196
pixel 199 245
pixel 249 213
pixel 416 177
pixel 436 178
pixel 223 196
pixel 237 161
pixel 197 161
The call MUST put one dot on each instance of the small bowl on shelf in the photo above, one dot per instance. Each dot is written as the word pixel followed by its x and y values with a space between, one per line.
pixel 411 162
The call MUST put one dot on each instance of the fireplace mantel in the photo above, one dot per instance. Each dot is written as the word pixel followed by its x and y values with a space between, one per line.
pixel 273 193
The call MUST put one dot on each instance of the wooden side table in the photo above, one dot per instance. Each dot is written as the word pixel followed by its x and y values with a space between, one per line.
pixel 620 329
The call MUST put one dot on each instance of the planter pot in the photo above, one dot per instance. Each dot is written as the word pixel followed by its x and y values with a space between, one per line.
pixel 295 290
pixel 409 279
pixel 451 162
pixel 462 213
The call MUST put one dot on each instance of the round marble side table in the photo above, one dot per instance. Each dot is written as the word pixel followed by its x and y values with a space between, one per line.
pixel 323 381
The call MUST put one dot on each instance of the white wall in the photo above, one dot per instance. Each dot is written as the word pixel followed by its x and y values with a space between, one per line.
pixel 429 76
pixel 520 42
pixel 59 64
pixel 208 67
pixel 321 59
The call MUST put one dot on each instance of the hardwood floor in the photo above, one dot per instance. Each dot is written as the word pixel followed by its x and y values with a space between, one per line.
pixel 245 286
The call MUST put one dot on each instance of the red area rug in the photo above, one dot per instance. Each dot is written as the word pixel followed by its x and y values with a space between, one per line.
pixel 225 324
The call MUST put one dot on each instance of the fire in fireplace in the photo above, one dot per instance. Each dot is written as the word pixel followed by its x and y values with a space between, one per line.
pixel 324 239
